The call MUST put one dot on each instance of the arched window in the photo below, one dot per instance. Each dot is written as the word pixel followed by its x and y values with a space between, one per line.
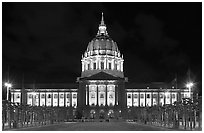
pixel 109 65
pixel 94 65
pixel 102 65
pixel 88 66
pixel 115 66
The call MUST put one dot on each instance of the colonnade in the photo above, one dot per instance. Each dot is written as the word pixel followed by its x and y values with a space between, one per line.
pixel 55 99
pixel 101 95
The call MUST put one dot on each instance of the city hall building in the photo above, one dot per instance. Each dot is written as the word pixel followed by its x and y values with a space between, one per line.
pixel 102 90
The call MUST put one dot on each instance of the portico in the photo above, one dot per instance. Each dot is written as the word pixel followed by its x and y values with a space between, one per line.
pixel 102 95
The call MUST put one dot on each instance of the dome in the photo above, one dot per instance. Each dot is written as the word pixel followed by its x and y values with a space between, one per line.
pixel 102 43
pixel 102 55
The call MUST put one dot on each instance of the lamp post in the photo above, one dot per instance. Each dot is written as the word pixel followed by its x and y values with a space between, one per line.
pixel 189 85
pixel 8 85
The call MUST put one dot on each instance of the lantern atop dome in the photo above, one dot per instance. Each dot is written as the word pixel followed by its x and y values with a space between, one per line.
pixel 102 28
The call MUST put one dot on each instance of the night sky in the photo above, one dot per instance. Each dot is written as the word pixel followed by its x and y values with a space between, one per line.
pixel 45 41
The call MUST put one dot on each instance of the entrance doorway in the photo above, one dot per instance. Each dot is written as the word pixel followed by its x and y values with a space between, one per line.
pixel 101 114
pixel 92 114
pixel 110 114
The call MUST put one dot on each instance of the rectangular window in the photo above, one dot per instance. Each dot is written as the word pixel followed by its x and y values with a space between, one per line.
pixel 43 96
pixel 173 96
pixel 109 65
pixel 68 96
pixel 148 95
pixel 49 95
pixel 110 96
pixel 135 95
pixel 141 95
pixel 92 96
pixel 168 96
pixel 61 95
pixel 102 96
pixel 18 96
pixel 129 95
pixel 161 95
pixel 55 96
pixel 102 65
pixel 74 95
pixel 30 95
pixel 94 65
pixel 154 95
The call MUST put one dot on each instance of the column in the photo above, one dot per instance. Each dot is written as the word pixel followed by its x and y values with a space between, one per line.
pixel 58 99
pixel 96 62
pixel 105 63
pixel 85 65
pixel 112 64
pixel 39 99
pixel 45 99
pixel 152 99
pixel 32 100
pixel 116 97
pixel 52 99
pixel 70 94
pixel 170 97
pixel 132 99
pixel 87 95
pixel 82 66
pixel 121 66
pixel 13 97
pixel 64 99
pixel 106 95
pixel 164 98
pixel 139 99
pixel 158 98
pixel 97 95
pixel 179 95
pixel 91 65
pixel 145 98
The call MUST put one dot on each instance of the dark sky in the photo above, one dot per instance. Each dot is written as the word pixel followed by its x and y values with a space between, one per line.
pixel 45 41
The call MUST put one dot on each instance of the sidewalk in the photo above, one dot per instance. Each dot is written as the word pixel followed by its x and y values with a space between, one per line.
pixel 166 127
pixel 29 125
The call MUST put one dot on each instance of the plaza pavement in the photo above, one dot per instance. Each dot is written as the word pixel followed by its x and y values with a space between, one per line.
pixel 95 126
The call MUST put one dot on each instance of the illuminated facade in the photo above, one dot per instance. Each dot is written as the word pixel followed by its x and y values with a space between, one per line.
pixel 102 82
pixel 102 90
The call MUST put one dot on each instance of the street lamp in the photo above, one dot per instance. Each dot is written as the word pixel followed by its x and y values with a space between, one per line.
pixel 189 85
pixel 8 85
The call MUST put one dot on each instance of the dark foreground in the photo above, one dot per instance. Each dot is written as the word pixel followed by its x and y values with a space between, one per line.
pixel 95 126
